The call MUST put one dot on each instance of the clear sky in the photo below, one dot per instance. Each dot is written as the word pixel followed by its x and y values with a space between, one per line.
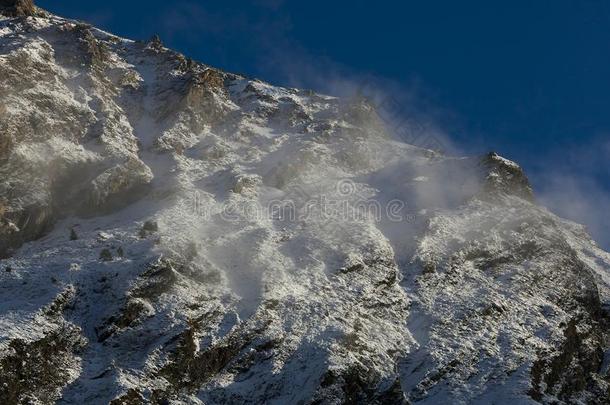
pixel 528 79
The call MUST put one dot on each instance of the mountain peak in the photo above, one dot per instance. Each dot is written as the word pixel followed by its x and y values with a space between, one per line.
pixel 173 233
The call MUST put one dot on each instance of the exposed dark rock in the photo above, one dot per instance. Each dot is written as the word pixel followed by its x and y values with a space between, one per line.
pixel 189 369
pixel 17 227
pixel 506 178
pixel 149 228
pixel 35 372
pixel 484 259
pixel 132 397
pixel 63 301
pixel 133 311
pixel 429 268
pixel 434 377
pixel 95 51
pixel 17 8
pixel 193 100
pixel 106 255
pixel 155 43
pixel 570 372
pixel 357 385
pixel 159 278
pixel 6 138
pixel 352 268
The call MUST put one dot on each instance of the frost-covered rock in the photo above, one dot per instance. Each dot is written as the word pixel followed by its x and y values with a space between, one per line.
pixel 238 242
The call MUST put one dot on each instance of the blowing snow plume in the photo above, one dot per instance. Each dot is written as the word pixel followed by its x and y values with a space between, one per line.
pixel 174 233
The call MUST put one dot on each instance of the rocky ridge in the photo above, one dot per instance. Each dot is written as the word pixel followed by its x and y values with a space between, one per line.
pixel 140 262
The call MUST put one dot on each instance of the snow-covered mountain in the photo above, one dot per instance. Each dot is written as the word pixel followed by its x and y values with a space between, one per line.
pixel 174 234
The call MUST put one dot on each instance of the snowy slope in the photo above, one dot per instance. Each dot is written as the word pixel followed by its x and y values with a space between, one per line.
pixel 171 233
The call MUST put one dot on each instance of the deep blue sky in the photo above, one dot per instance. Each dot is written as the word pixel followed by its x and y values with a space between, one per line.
pixel 529 79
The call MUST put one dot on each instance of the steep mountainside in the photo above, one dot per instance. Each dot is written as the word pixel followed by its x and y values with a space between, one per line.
pixel 171 233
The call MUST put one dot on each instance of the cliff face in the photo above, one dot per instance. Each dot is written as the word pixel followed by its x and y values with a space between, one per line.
pixel 172 233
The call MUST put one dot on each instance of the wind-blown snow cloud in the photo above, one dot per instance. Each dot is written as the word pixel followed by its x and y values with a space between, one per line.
pixel 570 182
pixel 567 181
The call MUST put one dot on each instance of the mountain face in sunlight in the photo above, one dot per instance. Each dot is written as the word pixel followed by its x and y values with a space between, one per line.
pixel 172 233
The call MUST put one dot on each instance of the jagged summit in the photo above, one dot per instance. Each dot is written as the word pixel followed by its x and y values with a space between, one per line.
pixel 506 176
pixel 173 233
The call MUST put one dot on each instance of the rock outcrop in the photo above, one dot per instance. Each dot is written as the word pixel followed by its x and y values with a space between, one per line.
pixel 17 8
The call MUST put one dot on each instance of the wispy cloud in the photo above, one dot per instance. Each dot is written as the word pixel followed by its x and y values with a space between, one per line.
pixel 571 181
